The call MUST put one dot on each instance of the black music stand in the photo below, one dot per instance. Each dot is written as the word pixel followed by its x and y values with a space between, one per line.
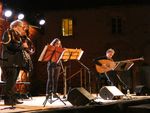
pixel 54 54
pixel 70 54
pixel 123 66
pixel 75 54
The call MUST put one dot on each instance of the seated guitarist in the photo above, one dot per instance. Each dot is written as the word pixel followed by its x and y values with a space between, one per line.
pixel 105 74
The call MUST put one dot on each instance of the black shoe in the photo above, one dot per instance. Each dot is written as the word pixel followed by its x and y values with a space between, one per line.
pixel 18 102
pixel 9 102
pixel 25 96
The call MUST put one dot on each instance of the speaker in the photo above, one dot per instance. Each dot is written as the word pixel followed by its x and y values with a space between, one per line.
pixel 142 90
pixel 79 96
pixel 110 93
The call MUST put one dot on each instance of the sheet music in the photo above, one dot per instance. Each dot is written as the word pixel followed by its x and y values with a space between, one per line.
pixel 43 53
pixel 72 54
pixel 81 53
pixel 51 53
pixel 56 53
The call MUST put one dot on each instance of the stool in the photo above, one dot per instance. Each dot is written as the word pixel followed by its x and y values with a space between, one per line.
pixel 2 85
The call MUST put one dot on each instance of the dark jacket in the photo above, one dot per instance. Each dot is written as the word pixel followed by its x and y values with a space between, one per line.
pixel 12 52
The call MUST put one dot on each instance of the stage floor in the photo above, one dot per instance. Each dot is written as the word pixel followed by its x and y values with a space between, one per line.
pixel 36 104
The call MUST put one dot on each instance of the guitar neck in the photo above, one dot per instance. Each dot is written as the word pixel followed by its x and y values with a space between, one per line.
pixel 131 60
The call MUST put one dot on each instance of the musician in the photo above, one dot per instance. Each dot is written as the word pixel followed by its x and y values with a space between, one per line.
pixel 53 70
pixel 108 77
pixel 13 58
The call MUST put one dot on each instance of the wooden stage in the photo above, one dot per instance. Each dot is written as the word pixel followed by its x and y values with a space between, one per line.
pixel 136 104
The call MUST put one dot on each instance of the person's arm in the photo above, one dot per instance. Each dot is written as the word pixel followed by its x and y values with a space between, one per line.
pixel 96 61
pixel 6 38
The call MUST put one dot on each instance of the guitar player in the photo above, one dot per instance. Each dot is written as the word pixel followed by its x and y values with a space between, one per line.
pixel 106 76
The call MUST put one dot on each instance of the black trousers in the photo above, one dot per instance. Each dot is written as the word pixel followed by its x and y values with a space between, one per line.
pixel 52 80
pixel 101 80
pixel 10 75
pixel 109 79
pixel 116 80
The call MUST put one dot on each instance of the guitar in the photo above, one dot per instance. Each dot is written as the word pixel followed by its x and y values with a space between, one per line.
pixel 108 65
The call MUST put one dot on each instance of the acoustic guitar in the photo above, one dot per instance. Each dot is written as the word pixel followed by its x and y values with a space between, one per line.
pixel 108 65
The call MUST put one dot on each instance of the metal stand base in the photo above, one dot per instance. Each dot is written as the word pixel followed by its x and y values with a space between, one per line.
pixel 50 96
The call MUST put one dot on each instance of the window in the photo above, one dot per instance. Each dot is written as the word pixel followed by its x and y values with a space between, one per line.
pixel 67 27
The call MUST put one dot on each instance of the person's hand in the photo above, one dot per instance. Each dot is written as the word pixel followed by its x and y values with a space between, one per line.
pixel 25 45
pixel 32 51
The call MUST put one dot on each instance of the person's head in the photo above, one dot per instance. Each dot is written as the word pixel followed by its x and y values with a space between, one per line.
pixel 56 42
pixel 16 23
pixel 18 26
pixel 110 53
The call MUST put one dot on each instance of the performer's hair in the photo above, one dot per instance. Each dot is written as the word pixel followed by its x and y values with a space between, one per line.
pixel 16 23
pixel 110 50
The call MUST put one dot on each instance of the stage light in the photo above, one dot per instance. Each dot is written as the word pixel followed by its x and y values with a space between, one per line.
pixel 20 16
pixel 42 22
pixel 8 13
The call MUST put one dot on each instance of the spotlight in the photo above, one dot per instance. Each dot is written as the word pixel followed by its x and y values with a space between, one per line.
pixel 42 22
pixel 20 16
pixel 8 13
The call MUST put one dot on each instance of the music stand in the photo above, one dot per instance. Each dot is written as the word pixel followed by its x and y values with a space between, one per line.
pixel 70 54
pixel 53 54
pixel 123 66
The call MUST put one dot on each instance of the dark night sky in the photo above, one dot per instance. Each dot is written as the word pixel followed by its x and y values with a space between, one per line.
pixel 35 8
pixel 31 5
